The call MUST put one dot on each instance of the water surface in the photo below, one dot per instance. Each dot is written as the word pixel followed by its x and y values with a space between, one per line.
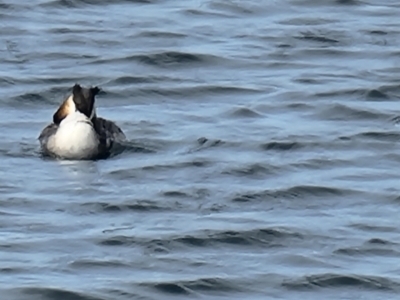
pixel 262 160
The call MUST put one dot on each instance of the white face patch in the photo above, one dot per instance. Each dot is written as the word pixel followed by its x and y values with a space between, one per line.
pixel 66 108
pixel 69 107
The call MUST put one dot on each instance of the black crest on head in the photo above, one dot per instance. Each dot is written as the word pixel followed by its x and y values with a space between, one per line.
pixel 84 98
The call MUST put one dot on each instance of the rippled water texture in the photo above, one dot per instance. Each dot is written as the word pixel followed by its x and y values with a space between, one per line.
pixel 263 155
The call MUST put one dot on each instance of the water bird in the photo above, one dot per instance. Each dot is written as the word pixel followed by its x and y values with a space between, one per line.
pixel 76 132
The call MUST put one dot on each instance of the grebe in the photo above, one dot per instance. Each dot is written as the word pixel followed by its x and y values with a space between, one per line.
pixel 76 132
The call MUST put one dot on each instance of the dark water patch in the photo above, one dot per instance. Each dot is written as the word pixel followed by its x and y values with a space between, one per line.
pixel 395 199
pixel 251 238
pixel 205 143
pixel 391 90
pixel 172 288
pixel 258 237
pixel 83 3
pixel 166 59
pixel 305 192
pixel 318 37
pixel 149 245
pixel 175 194
pixel 348 2
pixel 378 32
pixel 341 93
pixel 307 21
pixel 298 106
pixel 282 146
pixel 161 34
pixel 322 164
pixel 341 281
pixel 378 241
pixel 198 163
pixel 44 293
pixel 383 93
pixel 221 90
pixel 56 56
pixel 148 79
pixel 118 241
pixel 66 30
pixel 310 81
pixel 94 264
pixel 171 58
pixel 199 91
pixel 341 112
pixel 124 148
pixel 31 98
pixel 123 294
pixel 236 8
pixel 257 170
pixel 201 285
pixel 126 80
pixel 11 271
pixel 191 194
pixel 367 251
pixel 282 46
pixel 141 146
pixel 7 81
pixel 327 4
pixel 374 228
pixel 270 237
pixel 396 120
pixel 6 6
pixel 202 13
pixel 126 206
pixel 20 150
pixel 376 95
pixel 381 136
pixel 244 112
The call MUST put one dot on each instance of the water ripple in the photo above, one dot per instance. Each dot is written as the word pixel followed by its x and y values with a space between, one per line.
pixel 261 157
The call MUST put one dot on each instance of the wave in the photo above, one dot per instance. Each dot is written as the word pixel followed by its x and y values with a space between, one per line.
pixel 47 293
pixel 186 287
pixel 244 112
pixel 265 237
pixel 83 3
pixel 126 206
pixel 378 94
pixel 282 146
pixel 257 170
pixel 301 191
pixel 318 37
pixel 165 59
pixel 341 112
pixel 330 280
pixel 382 136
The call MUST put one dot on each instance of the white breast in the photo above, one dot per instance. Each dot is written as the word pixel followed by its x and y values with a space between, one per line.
pixel 75 138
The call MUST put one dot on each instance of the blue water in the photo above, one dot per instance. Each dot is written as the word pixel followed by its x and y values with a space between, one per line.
pixel 262 158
